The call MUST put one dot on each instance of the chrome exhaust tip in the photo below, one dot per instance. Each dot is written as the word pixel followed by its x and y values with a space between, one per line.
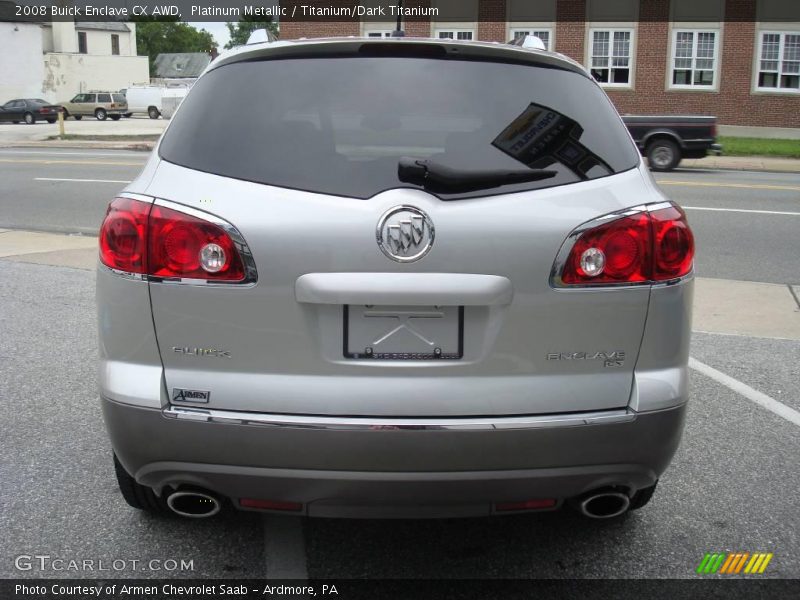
pixel 194 504
pixel 604 505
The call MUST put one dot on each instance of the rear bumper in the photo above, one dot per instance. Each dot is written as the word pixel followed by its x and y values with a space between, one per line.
pixel 452 469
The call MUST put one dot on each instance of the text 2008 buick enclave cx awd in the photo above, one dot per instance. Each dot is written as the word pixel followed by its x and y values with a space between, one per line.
pixel 411 278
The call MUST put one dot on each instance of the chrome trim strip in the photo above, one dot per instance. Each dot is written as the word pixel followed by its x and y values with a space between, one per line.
pixel 563 253
pixel 402 423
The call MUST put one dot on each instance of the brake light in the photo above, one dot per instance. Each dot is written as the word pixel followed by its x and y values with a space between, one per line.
pixel 139 237
pixel 647 246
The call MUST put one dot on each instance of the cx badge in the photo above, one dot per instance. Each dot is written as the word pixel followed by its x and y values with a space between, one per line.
pixel 405 233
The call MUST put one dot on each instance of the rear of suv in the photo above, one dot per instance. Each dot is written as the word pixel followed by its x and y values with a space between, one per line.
pixel 100 105
pixel 423 278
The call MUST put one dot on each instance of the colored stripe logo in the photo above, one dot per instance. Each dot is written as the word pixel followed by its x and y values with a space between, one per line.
pixel 734 563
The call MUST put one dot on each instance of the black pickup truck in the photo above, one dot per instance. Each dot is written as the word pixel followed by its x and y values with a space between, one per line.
pixel 665 140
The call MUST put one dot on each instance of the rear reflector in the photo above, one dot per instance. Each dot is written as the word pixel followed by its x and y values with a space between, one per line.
pixel 646 246
pixel 537 504
pixel 270 504
pixel 154 240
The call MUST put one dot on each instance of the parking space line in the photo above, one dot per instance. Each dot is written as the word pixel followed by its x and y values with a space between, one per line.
pixel 744 210
pixel 284 548
pixel 82 180
pixel 745 390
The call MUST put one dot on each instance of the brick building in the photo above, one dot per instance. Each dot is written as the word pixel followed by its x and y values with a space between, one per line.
pixel 736 59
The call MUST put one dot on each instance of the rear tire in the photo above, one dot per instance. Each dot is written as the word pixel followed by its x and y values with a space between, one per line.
pixel 642 497
pixel 663 154
pixel 137 495
pixel 115 117
pixel 29 118
pixel 153 112
pixel 51 121
pixel 78 117
pixel 100 114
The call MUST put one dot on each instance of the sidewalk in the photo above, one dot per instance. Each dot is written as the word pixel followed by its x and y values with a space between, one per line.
pixel 744 163
pixel 745 308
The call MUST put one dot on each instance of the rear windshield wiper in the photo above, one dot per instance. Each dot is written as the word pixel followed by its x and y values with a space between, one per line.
pixel 439 178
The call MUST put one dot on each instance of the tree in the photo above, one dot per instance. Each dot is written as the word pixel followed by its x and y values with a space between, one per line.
pixel 240 32
pixel 158 35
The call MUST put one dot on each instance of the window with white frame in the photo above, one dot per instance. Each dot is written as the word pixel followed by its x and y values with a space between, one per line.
pixel 455 34
pixel 694 58
pixel 611 56
pixel 779 61
pixel 543 34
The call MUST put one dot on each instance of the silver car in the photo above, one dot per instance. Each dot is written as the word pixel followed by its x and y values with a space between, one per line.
pixel 415 278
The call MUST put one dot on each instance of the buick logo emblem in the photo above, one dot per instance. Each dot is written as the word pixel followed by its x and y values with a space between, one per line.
pixel 405 233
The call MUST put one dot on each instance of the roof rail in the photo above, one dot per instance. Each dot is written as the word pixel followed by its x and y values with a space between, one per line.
pixel 528 41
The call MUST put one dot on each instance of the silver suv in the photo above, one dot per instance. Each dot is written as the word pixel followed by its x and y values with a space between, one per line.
pixel 421 278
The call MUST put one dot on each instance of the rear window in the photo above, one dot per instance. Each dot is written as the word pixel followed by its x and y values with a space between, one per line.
pixel 340 125
pixel 118 97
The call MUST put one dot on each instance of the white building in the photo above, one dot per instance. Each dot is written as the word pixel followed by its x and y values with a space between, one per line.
pixel 79 57
pixel 56 60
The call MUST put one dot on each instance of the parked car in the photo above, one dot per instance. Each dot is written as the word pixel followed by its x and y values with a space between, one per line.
pixel 375 296
pixel 145 100
pixel 29 110
pixel 665 140
pixel 101 105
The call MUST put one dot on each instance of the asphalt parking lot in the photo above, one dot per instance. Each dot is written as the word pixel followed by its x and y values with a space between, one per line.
pixel 732 486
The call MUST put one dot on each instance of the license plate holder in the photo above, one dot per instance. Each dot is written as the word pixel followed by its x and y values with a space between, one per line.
pixel 400 333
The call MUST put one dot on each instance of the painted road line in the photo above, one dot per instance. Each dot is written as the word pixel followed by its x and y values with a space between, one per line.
pixel 745 390
pixel 745 186
pixel 51 153
pixel 744 210
pixel 81 180
pixel 34 161
pixel 284 547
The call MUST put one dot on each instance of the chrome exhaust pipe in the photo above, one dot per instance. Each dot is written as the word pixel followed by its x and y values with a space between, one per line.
pixel 194 504
pixel 604 505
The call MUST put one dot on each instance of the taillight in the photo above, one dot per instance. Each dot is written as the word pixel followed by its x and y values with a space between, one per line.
pixel 165 243
pixel 123 236
pixel 642 246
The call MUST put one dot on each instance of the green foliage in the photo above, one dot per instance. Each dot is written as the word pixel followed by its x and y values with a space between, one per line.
pixel 739 146
pixel 158 35
pixel 241 31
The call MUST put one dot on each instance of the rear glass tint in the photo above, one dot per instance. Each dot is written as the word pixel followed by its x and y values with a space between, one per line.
pixel 118 97
pixel 340 125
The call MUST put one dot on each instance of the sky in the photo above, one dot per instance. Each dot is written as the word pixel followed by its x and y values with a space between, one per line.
pixel 218 30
